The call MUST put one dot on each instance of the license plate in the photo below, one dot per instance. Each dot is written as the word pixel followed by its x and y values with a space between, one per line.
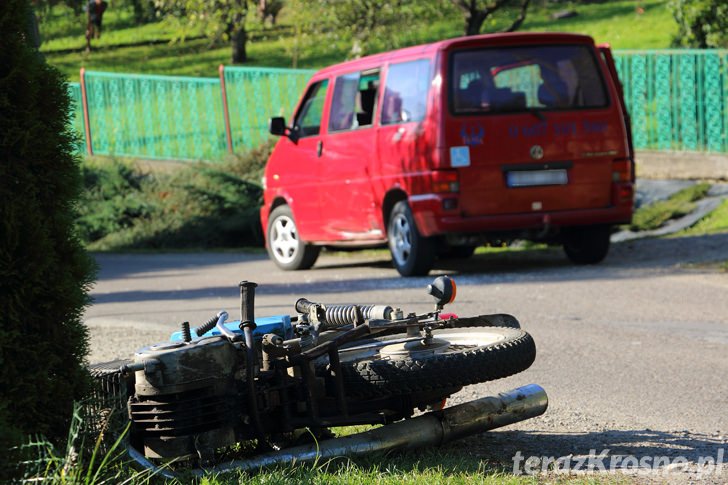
pixel 531 178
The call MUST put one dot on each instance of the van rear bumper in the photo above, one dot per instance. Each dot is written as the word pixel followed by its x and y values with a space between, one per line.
pixel 432 220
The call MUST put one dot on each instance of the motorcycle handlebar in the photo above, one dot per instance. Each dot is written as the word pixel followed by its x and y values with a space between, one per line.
pixel 304 306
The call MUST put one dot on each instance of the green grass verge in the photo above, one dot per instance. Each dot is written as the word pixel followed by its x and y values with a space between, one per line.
pixel 655 215
pixel 715 222
pixel 88 460
pixel 616 22
pixel 451 464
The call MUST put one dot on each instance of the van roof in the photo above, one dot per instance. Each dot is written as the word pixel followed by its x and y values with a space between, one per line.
pixel 425 50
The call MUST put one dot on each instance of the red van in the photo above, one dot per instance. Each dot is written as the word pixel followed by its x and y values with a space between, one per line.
pixel 439 148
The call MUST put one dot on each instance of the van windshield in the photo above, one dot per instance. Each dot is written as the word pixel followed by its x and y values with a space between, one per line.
pixel 516 79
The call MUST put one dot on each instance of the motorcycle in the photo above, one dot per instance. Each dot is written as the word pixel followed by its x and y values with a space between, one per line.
pixel 274 381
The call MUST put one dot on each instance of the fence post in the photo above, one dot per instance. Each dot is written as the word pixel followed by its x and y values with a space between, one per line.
pixel 226 112
pixel 86 120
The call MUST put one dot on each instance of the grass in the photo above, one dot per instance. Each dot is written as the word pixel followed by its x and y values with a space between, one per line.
pixel 656 215
pixel 425 466
pixel 87 463
pixel 715 222
pixel 616 22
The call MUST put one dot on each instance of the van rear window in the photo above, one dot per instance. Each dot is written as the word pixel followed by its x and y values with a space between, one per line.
pixel 556 77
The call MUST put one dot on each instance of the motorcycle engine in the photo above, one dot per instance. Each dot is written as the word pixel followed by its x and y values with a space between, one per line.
pixel 187 397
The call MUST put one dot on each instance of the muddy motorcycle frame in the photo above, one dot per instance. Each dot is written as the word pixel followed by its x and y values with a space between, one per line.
pixel 266 380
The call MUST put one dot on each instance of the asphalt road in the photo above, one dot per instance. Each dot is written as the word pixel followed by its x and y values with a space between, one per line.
pixel 633 352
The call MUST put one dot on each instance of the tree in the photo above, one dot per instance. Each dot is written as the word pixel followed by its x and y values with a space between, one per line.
pixel 43 7
pixel 269 10
pixel 44 271
pixel 221 19
pixel 369 25
pixel 477 11
pixel 144 11
pixel 701 23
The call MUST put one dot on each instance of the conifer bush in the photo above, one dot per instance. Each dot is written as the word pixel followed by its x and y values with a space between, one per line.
pixel 44 271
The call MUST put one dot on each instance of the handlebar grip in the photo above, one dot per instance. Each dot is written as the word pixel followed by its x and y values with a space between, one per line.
pixel 247 303
pixel 303 305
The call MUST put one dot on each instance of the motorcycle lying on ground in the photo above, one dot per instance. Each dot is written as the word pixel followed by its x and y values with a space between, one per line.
pixel 191 402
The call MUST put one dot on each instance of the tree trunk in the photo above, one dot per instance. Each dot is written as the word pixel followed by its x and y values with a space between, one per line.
pixel 520 19
pixel 238 41
pixel 473 21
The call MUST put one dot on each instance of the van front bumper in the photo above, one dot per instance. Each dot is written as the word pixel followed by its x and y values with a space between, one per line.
pixel 432 220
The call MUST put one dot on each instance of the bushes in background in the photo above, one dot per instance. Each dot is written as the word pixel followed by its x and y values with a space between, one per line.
pixel 196 206
pixel 44 271
pixel 701 23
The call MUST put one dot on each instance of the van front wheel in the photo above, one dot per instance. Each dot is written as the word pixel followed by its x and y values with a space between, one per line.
pixel 285 247
pixel 412 254
pixel 586 244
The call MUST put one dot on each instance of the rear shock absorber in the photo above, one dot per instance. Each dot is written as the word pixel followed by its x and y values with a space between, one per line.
pixel 339 315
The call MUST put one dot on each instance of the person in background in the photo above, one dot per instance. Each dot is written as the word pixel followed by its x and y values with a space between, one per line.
pixel 96 9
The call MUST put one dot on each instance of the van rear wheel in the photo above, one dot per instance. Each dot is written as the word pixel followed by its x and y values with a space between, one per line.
pixel 285 247
pixel 587 244
pixel 412 253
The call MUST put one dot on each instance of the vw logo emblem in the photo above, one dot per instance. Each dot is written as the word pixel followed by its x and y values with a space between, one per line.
pixel 536 152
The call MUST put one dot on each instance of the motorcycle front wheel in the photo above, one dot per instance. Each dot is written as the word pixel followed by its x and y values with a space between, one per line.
pixel 397 365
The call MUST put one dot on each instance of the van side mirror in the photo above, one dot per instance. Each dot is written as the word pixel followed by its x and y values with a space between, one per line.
pixel 277 126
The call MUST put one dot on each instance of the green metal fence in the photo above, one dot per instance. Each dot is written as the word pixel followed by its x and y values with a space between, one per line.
pixel 155 116
pixel 255 94
pixel 678 99
pixel 74 91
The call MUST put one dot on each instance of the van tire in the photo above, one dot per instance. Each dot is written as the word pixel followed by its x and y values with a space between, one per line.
pixel 284 245
pixel 587 244
pixel 412 253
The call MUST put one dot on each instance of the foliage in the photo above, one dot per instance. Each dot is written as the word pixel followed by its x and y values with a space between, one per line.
pixel 268 10
pixel 359 22
pixel 43 7
pixel 220 20
pixel 119 187
pixel 478 11
pixel 144 11
pixel 701 23
pixel 127 48
pixel 201 205
pixel 655 215
pixel 44 271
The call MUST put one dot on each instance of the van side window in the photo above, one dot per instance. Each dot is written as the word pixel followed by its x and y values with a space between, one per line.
pixel 354 100
pixel 308 120
pixel 405 92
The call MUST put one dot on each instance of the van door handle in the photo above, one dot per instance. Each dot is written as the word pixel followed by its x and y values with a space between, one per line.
pixel 319 148
pixel 398 134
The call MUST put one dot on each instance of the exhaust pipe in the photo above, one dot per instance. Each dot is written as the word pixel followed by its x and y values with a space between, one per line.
pixel 431 429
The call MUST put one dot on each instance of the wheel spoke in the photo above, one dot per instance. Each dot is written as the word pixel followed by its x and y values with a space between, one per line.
pixel 284 240
pixel 401 239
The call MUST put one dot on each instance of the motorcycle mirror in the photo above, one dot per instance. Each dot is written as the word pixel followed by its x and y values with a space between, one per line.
pixel 443 289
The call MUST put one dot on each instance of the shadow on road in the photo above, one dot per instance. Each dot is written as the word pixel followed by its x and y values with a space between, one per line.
pixel 648 256
pixel 146 265
pixel 657 253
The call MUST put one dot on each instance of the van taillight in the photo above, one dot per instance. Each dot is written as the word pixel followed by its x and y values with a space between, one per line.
pixel 445 181
pixel 622 170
